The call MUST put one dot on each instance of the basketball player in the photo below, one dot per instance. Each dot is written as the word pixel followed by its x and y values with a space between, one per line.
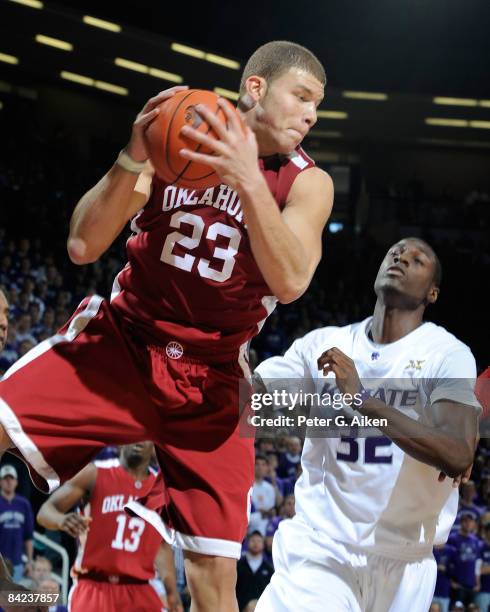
pixel 117 554
pixel 162 361
pixel 370 509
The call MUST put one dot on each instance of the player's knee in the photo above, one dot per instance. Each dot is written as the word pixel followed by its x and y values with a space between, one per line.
pixel 210 576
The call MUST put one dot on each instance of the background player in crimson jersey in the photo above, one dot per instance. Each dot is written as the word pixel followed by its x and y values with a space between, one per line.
pixel 162 361
pixel 117 554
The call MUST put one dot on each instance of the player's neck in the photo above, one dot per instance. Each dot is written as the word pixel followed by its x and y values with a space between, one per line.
pixel 392 324
pixel 139 472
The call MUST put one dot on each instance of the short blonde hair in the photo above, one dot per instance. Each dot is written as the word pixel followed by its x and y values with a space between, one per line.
pixel 274 58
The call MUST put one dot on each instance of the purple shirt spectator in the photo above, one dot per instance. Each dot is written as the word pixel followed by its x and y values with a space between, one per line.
pixel 485 578
pixel 468 549
pixel 444 556
pixel 16 526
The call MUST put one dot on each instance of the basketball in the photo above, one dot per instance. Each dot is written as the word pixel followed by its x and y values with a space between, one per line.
pixel 164 139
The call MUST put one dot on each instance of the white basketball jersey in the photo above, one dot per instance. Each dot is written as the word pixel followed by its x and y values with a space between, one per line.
pixel 365 491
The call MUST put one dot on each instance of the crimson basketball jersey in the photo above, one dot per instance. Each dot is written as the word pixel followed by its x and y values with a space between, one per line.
pixel 117 544
pixel 191 277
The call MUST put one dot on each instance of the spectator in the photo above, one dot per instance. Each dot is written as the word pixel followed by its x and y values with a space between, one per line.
pixel 435 607
pixel 24 329
pixel 42 569
pixel 468 548
pixel 468 495
pixel 48 585
pixel 16 523
pixel 253 571
pixel 250 607
pixel 290 459
pixel 482 598
pixel 265 497
pixel 444 556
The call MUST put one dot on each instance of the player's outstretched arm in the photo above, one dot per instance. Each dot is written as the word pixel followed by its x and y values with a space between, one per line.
pixel 54 513
pixel 287 245
pixel 447 442
pixel 104 210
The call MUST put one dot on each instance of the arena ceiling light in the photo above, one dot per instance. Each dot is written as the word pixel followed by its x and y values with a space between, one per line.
pixel 227 93
pixel 324 114
pixel 30 3
pixel 455 101
pixel 77 78
pixel 365 95
pixel 130 65
pixel 166 76
pixel 144 69
pixel 484 103
pixel 90 82
pixel 115 89
pixel 222 61
pixel 325 134
pixel 209 57
pixel 8 59
pixel 185 50
pixel 101 23
pixel 54 42
pixel 481 125
pixel 447 122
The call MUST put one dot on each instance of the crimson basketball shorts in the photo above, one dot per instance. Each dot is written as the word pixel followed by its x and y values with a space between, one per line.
pixel 95 384
pixel 89 595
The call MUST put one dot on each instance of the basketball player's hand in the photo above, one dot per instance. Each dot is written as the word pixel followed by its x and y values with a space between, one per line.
pixel 235 152
pixel 174 603
pixel 74 524
pixel 136 145
pixel 465 476
pixel 347 378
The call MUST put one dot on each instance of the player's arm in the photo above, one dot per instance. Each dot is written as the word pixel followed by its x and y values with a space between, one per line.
pixel 54 513
pixel 286 246
pixel 447 442
pixel 101 214
pixel 165 566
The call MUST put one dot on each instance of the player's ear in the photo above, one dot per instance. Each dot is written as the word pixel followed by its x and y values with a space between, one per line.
pixel 256 88
pixel 432 295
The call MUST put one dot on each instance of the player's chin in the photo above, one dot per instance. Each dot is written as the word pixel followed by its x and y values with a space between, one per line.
pixel 288 146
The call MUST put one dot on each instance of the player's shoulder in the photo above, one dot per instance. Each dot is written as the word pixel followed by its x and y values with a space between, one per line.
pixel 330 334
pixel 300 159
pixel 107 464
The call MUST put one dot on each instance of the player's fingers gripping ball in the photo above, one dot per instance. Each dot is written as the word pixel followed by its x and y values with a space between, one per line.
pixel 164 139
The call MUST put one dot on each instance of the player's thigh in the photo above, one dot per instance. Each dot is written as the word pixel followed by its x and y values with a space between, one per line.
pixel 400 586
pixel 308 575
pixel 309 587
pixel 74 393
pixel 207 462
pixel 208 494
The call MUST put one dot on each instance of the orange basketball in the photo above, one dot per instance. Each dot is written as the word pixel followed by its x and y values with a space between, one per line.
pixel 164 140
